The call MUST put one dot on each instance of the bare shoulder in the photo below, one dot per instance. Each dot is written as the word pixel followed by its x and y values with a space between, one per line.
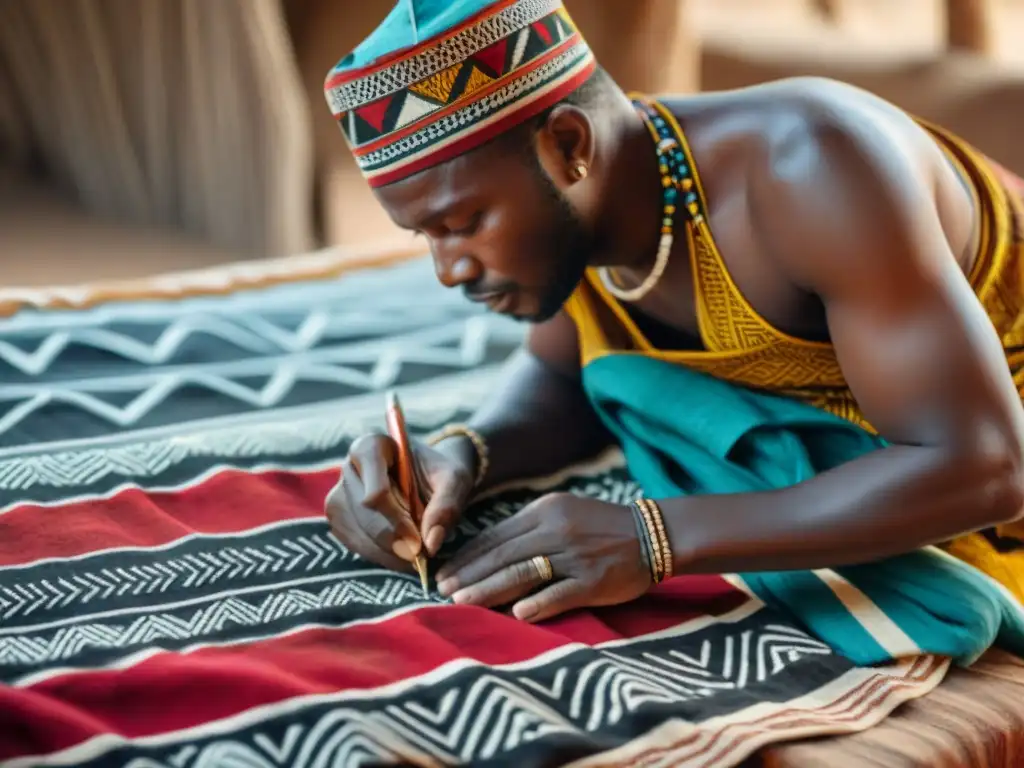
pixel 805 104
pixel 839 178
pixel 809 178
pixel 834 121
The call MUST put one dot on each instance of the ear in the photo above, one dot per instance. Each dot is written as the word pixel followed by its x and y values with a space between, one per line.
pixel 566 145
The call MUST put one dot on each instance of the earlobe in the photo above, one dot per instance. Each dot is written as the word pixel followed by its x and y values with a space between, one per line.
pixel 580 170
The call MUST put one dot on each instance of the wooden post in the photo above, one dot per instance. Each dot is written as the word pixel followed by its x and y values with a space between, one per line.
pixel 969 26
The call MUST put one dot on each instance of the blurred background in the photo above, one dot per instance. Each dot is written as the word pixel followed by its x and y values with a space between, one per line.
pixel 142 136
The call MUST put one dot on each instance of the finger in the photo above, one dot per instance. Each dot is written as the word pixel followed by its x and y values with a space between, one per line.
pixel 502 587
pixel 372 456
pixel 443 509
pixel 497 547
pixel 338 505
pixel 503 557
pixel 490 541
pixel 365 547
pixel 345 528
pixel 395 533
pixel 391 532
pixel 560 597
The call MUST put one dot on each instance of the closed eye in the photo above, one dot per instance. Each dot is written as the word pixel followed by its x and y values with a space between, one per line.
pixel 469 228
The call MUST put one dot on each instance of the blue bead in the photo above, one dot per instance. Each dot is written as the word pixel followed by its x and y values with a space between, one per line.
pixel 671 193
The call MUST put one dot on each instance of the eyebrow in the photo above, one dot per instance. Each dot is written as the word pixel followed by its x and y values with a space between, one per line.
pixel 432 215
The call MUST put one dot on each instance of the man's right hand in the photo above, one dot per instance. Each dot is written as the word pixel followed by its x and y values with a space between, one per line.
pixel 368 515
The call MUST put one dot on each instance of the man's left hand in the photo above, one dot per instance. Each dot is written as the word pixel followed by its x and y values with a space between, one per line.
pixel 593 548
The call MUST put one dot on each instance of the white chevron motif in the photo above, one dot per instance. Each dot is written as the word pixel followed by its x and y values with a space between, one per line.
pixel 190 571
pixel 483 715
pixel 242 612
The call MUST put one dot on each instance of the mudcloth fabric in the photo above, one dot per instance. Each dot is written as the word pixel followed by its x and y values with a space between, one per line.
pixel 170 594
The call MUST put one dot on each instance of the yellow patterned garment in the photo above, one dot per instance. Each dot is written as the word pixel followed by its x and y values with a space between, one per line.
pixel 742 347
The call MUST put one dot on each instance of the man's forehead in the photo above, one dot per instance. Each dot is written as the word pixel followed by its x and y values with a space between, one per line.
pixel 436 190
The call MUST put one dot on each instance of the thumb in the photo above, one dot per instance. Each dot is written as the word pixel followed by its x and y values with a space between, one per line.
pixel 444 509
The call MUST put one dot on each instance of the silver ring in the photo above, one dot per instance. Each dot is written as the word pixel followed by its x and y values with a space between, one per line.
pixel 543 567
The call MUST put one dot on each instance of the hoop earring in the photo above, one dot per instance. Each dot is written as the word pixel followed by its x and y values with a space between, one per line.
pixel 580 171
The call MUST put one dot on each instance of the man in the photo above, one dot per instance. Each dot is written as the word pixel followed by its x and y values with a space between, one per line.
pixel 835 269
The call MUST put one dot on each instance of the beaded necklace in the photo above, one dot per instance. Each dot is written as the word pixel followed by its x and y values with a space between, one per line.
pixel 676 181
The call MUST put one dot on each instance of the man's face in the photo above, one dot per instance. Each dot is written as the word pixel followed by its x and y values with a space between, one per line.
pixel 498 227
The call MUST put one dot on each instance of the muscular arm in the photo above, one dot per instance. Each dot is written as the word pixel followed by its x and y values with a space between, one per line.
pixel 848 215
pixel 538 420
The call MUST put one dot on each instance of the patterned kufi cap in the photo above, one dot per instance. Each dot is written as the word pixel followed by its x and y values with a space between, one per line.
pixel 441 77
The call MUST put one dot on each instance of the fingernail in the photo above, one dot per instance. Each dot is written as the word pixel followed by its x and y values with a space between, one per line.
pixel 435 538
pixel 407 549
pixel 524 611
pixel 446 586
pixel 462 596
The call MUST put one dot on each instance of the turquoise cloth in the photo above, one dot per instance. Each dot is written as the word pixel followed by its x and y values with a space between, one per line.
pixel 410 23
pixel 683 432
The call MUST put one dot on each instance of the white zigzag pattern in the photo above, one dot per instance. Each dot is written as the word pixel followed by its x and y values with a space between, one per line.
pixel 272 339
pixel 368 304
pixel 191 571
pixel 325 429
pixel 249 333
pixel 385 359
pixel 494 715
pixel 28 650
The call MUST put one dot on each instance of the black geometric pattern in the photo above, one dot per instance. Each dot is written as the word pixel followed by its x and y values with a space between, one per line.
pixel 158 396
pixel 551 712
pixel 91 611
pixel 151 394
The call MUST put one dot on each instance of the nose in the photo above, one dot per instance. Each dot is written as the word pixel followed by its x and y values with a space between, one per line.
pixel 453 272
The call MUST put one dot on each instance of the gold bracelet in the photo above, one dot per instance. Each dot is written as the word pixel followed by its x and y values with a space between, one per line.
pixel 666 547
pixel 662 537
pixel 658 565
pixel 483 462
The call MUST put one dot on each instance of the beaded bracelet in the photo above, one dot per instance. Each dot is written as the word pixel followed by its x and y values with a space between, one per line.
pixel 652 534
pixel 661 536
pixel 483 461
pixel 646 549
pixel 656 537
